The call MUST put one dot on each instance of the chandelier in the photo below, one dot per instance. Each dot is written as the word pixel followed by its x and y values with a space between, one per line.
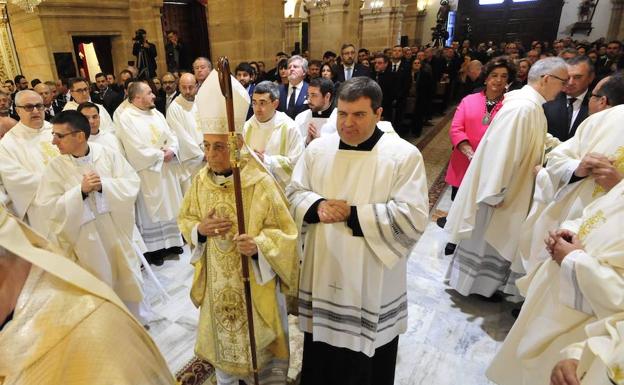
pixel 320 4
pixel 376 6
pixel 27 5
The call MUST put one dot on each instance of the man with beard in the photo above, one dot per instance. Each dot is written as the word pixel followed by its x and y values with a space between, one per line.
pixel 152 148
pixel 312 123
pixel 182 118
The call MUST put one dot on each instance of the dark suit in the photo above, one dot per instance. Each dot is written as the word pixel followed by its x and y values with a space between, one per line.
pixel 300 103
pixel 358 70
pixel 557 116
pixel 183 56
pixel 392 90
pixel 108 98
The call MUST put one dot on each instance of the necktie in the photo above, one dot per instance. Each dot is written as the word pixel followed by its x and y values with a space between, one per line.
pixel 349 69
pixel 570 111
pixel 395 69
pixel 291 101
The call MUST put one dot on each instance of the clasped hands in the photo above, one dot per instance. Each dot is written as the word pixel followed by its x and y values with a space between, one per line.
pixel 333 211
pixel 90 182
pixel 560 243
pixel 313 133
pixel 601 168
pixel 214 226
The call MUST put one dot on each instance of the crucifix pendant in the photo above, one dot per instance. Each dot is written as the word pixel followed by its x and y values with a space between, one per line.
pixel 486 119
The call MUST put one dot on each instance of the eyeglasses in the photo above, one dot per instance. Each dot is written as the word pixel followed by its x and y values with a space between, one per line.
pixel 31 107
pixel 61 136
pixel 564 81
pixel 81 90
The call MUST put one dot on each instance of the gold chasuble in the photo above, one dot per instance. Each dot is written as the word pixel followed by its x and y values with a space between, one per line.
pixel 68 327
pixel 217 290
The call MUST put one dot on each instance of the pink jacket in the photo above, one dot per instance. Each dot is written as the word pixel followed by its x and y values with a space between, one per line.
pixel 467 125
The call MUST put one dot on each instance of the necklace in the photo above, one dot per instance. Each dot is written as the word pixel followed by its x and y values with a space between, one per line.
pixel 489 107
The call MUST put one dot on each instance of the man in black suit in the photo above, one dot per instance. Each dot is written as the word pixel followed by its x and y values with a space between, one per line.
pixel 390 86
pixel 273 74
pixel 178 55
pixel 570 108
pixel 293 96
pixel 105 95
pixel 348 69
pixel 46 95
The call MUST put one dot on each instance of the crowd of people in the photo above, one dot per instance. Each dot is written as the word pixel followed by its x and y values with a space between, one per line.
pixel 99 180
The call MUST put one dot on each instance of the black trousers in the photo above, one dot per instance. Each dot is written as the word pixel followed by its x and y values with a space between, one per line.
pixel 324 364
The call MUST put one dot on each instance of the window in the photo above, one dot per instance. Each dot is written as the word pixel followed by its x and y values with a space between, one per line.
pixel 488 2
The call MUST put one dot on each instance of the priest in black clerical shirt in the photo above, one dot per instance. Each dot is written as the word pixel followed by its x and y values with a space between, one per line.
pixel 312 122
pixel 363 195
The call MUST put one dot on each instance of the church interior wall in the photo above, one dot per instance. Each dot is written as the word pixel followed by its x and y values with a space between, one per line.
pixel 600 22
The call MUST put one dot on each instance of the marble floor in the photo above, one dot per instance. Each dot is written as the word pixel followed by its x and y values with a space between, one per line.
pixel 446 332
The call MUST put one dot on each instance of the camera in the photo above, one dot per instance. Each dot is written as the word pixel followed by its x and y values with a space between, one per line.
pixel 139 36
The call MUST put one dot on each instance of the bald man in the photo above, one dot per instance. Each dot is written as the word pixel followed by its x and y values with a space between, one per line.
pixel 182 118
pixel 24 153
pixel 46 94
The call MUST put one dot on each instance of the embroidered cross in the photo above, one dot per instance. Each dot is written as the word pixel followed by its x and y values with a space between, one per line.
pixel 335 287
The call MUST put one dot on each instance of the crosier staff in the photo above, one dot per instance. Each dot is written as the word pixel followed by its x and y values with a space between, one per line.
pixel 225 80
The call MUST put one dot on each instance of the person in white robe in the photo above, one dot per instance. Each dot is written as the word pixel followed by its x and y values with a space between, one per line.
pixel 61 325
pixel 272 134
pixel 315 121
pixel 105 138
pixel 88 196
pixel 581 283
pixel 79 89
pixel 598 360
pixel 183 119
pixel 494 198
pixel 578 171
pixel 151 149
pixel 363 195
pixel 24 153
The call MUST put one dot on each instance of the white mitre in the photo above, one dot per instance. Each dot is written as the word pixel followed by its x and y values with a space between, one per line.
pixel 211 105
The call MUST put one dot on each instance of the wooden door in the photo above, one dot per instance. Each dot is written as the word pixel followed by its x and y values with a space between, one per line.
pixel 524 20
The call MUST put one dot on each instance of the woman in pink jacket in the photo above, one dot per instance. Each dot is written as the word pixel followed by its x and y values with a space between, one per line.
pixel 473 116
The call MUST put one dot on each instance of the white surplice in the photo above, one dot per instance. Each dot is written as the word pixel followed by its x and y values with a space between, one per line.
pixel 562 300
pixel 97 230
pixel 494 197
pixel 107 139
pixel 143 135
pixel 555 199
pixel 279 140
pixel 118 111
pixel 183 120
pixel 24 154
pixel 327 125
pixel 353 289
pixel 106 122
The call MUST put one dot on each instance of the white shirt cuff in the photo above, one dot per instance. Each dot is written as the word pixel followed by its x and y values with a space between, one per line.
pixel 564 183
pixel 87 214
pixel 101 203
pixel 262 269
pixel 198 248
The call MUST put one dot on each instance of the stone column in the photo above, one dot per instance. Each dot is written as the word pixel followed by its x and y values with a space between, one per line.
pixel 8 59
pixel 332 27
pixel 246 30
pixel 381 27
pixel 616 24
pixel 293 33
pixel 36 60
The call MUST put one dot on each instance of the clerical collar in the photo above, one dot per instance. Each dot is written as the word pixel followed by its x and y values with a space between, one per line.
pixel 323 114
pixel 223 174
pixel 366 145
pixel 86 154
pixel 7 320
